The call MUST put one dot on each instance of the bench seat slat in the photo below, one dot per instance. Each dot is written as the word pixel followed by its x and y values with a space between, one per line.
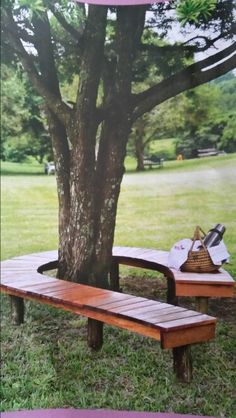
pixel 118 304
pixel 136 307
pixel 54 287
pixel 143 304
pixel 23 283
pixel 157 310
pixel 158 318
pixel 183 323
pixel 160 306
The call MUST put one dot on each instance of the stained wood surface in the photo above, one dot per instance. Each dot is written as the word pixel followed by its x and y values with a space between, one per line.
pixel 219 284
pixel 173 326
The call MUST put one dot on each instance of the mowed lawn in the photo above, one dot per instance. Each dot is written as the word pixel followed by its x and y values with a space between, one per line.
pixel 46 362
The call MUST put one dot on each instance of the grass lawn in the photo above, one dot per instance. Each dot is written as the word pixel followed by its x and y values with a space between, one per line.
pixel 45 362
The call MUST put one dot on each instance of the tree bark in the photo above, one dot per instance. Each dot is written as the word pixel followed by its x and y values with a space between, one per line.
pixel 139 146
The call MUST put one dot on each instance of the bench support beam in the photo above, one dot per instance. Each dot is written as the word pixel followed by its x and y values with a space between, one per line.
pixel 202 304
pixel 95 334
pixel 114 276
pixel 17 310
pixel 183 363
pixel 171 294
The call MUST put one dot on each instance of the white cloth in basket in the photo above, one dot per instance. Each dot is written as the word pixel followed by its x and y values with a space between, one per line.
pixel 179 253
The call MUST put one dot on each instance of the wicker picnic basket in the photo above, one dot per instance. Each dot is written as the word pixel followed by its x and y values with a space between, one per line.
pixel 199 261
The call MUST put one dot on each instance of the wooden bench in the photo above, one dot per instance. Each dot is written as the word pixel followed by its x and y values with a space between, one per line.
pixel 175 327
pixel 153 161
pixel 207 152
pixel 199 285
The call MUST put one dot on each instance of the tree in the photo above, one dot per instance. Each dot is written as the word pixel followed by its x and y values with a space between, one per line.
pixel 165 121
pixel 14 111
pixel 208 118
pixel 105 48
pixel 23 123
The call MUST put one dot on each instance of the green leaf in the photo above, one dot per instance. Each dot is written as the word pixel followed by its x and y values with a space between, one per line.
pixel 35 8
pixel 191 11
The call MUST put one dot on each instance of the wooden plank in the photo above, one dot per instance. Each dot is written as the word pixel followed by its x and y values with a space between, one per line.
pixel 208 278
pixel 159 307
pixel 113 297
pixel 206 290
pixel 174 338
pixel 135 307
pixel 60 288
pixel 119 303
pixel 186 322
pixel 187 284
pixel 54 287
pixel 76 296
pixel 145 330
pixel 11 277
pixel 24 284
pixel 174 316
pixel 158 311
pixel 48 255
pixel 159 317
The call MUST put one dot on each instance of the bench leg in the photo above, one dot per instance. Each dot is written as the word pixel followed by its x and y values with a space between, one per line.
pixel 114 276
pixel 202 304
pixel 171 296
pixel 183 363
pixel 17 310
pixel 95 334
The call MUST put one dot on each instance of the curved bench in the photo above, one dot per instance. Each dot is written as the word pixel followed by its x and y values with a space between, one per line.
pixel 200 285
pixel 173 326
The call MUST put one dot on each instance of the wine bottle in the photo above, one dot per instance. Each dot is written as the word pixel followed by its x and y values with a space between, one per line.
pixel 214 236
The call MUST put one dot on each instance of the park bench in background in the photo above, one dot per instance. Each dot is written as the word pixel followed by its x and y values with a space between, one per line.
pixel 175 327
pixel 209 152
pixel 153 161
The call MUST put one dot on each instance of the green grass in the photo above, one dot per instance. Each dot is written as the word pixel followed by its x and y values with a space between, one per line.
pixel 8 168
pixel 45 362
pixel 164 148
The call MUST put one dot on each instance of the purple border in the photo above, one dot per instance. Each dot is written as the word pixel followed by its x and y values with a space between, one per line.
pixel 91 413
pixel 121 2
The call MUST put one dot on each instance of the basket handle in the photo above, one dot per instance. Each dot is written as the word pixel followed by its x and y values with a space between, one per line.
pixel 198 237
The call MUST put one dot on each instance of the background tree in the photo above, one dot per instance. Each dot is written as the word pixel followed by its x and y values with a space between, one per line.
pixel 105 49
pixel 167 120
pixel 23 123
pixel 208 118
pixel 14 111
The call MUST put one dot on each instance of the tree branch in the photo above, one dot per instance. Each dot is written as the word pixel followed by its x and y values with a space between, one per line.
pixel 185 47
pixel 92 60
pixel 77 35
pixel 53 101
pixel 190 77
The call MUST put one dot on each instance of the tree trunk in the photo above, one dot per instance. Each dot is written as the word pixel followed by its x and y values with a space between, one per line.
pixel 139 143
pixel 139 152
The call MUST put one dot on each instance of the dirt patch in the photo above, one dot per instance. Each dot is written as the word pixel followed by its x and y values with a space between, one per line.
pixel 155 288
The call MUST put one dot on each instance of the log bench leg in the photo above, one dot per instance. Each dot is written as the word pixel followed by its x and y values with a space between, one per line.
pixel 202 304
pixel 114 276
pixel 183 363
pixel 17 310
pixel 95 334
pixel 171 296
